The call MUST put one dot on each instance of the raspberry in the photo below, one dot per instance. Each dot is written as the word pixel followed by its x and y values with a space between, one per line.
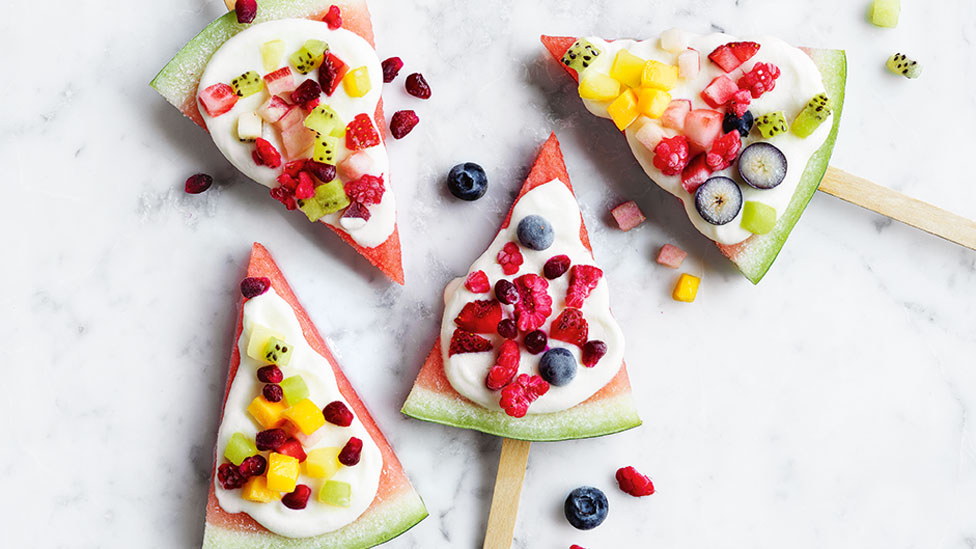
pixel 320 171
pixel 466 342
pixel 293 448
pixel 305 188
pixel 351 452
pixel 246 10
pixel 535 341
pixel 197 183
pixel 288 182
pixel 671 155
pixel 253 466
pixel 739 103
pixel 507 329
pixel 337 413
pixel 270 374
pixel 519 394
pixel 571 327
pixel 254 286
pixel 417 86
pixel 510 258
pixel 634 483
pixel 724 151
pixel 334 20
pixel 402 122
pixel 593 351
pixel 535 303
pixel 582 280
pixel 282 195
pixel 270 439
pixel 269 155
pixel 366 190
pixel 506 366
pixel 477 282
pixel 272 392
pixel 230 477
pixel 556 266
pixel 306 91
pixel 479 317
pixel 506 293
pixel 299 498
pixel 293 168
pixel 361 134
pixel 391 68
pixel 761 79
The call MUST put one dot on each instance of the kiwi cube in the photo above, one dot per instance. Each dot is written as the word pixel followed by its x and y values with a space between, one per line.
pixel 772 124
pixel 247 84
pixel 812 115
pixel 276 351
pixel 329 198
pixel 580 55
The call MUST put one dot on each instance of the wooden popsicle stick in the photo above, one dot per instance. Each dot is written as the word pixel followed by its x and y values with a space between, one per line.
pixel 508 492
pixel 900 207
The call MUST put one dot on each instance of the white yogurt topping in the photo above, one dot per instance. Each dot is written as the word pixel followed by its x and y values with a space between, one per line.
pixel 799 81
pixel 466 371
pixel 272 311
pixel 243 53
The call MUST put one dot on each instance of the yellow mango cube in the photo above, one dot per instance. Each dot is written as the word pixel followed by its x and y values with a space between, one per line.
pixel 598 87
pixel 623 109
pixel 305 415
pixel 256 489
pixel 282 472
pixel 267 414
pixel 659 75
pixel 686 289
pixel 627 68
pixel 322 462
pixel 258 339
pixel 356 82
pixel 652 102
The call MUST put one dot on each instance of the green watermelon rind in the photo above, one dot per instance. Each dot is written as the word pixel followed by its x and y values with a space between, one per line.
pixel 756 255
pixel 587 420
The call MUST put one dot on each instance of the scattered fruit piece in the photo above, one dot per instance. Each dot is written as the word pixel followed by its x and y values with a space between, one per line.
pixel 623 109
pixel 724 151
pixel 506 366
pixel 649 134
pixel 671 256
pixel 329 198
pixel 479 317
pixel 702 127
pixel 336 493
pixel 571 327
pixel 719 91
pixel 322 462
pixel 246 11
pixel 586 508
pixel 280 81
pixel 739 103
pixel 593 351
pixel 535 304
pixel 267 154
pixel 659 75
pixel 402 123
pixel 239 448
pixel 417 86
pixel 477 282
pixel 761 79
pixel 229 476
pixel 356 165
pixel 507 328
pixel 306 91
pixel 304 415
pixel 253 466
pixel 249 126
pixel 247 84
pixel 270 374
pixel 325 149
pixel 627 68
pixel 674 40
pixel 466 342
pixel 355 216
pixel 256 489
pixel 580 55
pixel 333 18
pixel 598 87
pixel 627 215
pixel 899 63
pixel 718 200
pixel 671 155
pixel 267 414
pixel 742 124
pixel 812 116
pixel 218 99
pixel 633 483
pixel 367 190
pixel 273 109
pixel 583 279
pixel 519 394
pixel 292 447
pixel 356 82
pixel 391 68
pixel 271 53
pixel 295 389
pixel 282 472
pixel 337 413
pixel 361 134
pixel 555 266
pixel 689 64
pixel 332 71
pixel 270 439
pixel 351 452
pixel 197 183
pixel 467 181
pixel 505 291
pixel 674 116
pixel 535 341
pixel 557 366
pixel 309 56
pixel 884 13
pixel 758 218
pixel 510 258
pixel 725 58
pixel 272 392
pixel 686 288
pixel 535 232
pixel 297 499
pixel 652 102
pixel 771 124
pixel 277 352
pixel 297 140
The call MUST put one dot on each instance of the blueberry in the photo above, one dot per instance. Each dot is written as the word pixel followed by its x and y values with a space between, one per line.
pixel 586 508
pixel 557 366
pixel 718 200
pixel 535 232
pixel 762 165
pixel 467 181
pixel 743 125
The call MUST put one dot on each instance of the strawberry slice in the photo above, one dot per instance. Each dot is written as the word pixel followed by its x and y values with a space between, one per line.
pixel 506 366
pixel 331 73
pixel 582 280
pixel 725 58
pixel 744 51
pixel 480 317
pixel 361 134
pixel 695 173
pixel 571 327
pixel 466 342
pixel 535 304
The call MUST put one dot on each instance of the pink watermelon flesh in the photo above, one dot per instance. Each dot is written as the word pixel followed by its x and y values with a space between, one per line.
pixel 754 256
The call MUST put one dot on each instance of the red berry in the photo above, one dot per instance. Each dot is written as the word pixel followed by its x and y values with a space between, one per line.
pixel 230 477
pixel 402 122
pixel 272 392
pixel 305 188
pixel 391 68
pixel 510 258
pixel 417 86
pixel 724 151
pixel 293 448
pixel 357 210
pixel 744 50
pixel 570 326
pixel 535 304
pixel 333 18
pixel 634 483
pixel 361 134
pixel 253 466
pixel 282 195
pixel 477 282
pixel 506 366
pixel 254 286
pixel 366 190
pixel 337 413
pixel 740 102
pixel 519 394
pixel 761 79
pixel 270 439
pixel 695 173
pixel 306 91
pixel 270 374
pixel 535 341
pixel 507 329
pixel 331 73
pixel 574 546
pixel 506 292
pixel 269 155
pixel 197 183
pixel 299 498
pixel 320 171
pixel 351 452
pixel 556 266
pixel 466 342
pixel 246 10
pixel 593 351
pixel 480 317
pixel 671 155
pixel 582 280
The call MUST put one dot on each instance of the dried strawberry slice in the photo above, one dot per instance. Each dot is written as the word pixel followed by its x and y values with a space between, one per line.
pixel 582 280
pixel 510 258
pixel 535 304
pixel 506 366
pixel 466 342
pixel 361 134
pixel 477 282
pixel 519 394
pixel 331 73
pixel 480 317
pixel 571 327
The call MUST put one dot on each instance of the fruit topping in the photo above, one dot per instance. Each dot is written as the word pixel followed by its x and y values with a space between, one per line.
pixel 361 134
pixel 273 109
pixel 724 151
pixel 884 13
pixel 218 99
pixel 506 292
pixel 671 155
pixel 229 476
pixel 351 452
pixel 266 153
pixel 197 183
pixel 758 218
pixel 337 493
pixel 686 288
pixel 519 394
pixel 356 82
pixel 598 87
pixel 254 286
pixel 298 498
pixel 634 483
pixel 331 73
pixel 322 462
pixel 304 415
pixel 659 75
pixel 586 508
pixel 322 172
pixel 627 69
pixel 671 256
pixel 730 56
pixel 649 135
pixel 582 280
pixel 247 84
pixel 246 10
pixel 899 63
pixel 674 116
pixel 479 317
pixel 593 351
pixel 292 118
pixel 272 392
pixel 627 215
pixel 534 305
pixel 535 232
pixel 762 165
pixel 329 198
pixel 271 53
pixel 506 366
pixel 355 216
pixel 467 181
pixel 367 190
pixel 652 102
pixel 417 86
pixel 277 352
pixel 466 342
pixel 295 389
pixel 333 18
pixel 267 414
pixel 306 91
pixel 270 439
pixel 477 282
pixel 253 466
pixel 309 56
pixel 391 68
pixel 249 126
pixel 256 489
pixel 718 200
pixel 719 91
pixel 239 448
pixel 674 40
pixel 702 126
pixel 580 55
pixel 270 374
pixel 535 341
pixel 623 109
pixel 812 116
pixel 280 81
pixel 325 149
pixel 555 266
pixel 771 124
pixel 761 79
pixel 510 258
pixel 292 447
pixel 742 124
pixel 355 165
pixel 337 413
pixel 402 123
pixel 571 327
pixel 507 328
pixel 282 472
pixel 557 366
pixel 689 64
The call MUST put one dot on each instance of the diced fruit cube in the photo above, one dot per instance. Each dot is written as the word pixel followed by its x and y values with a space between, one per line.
pixel 309 56
pixel 686 289
pixel 695 173
pixel 627 69
pixel 323 120
pixel 292 118
pixel 355 166
pixel 295 390
pixel 671 256
pixel 258 339
pixel 650 134
pixel 812 116
pixel 725 58
pixel 652 102
pixel 331 72
pixel 689 63
pixel 305 415
pixel 623 109
pixel 702 126
pixel 659 75
pixel 292 447
pixel 282 472
pixel 322 462
pixel 719 91
pixel 326 148
pixel 271 54
pixel 758 218
pixel 249 126
pixel 674 116
pixel 239 447
pixel 899 63
pixel 674 40
pixel 598 86
pixel 627 215
pixel 580 55
pixel 361 133
pixel 218 99
pixel 771 124
pixel 273 109
pixel 247 84
pixel 336 493
pixel 266 413
pixel 280 81
pixel 329 198
pixel 884 13
pixel 356 82
pixel 297 140
pixel 276 351
pixel 256 489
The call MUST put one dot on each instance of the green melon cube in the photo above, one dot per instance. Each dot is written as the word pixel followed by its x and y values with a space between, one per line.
pixel 336 493
pixel 239 448
pixel 884 13
pixel 758 218
pixel 294 389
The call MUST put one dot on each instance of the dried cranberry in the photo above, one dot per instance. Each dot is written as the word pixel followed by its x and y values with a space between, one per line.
pixel 246 10
pixel 391 68
pixel 417 86
pixel 253 466
pixel 197 183
pixel 270 374
pixel 337 413
pixel 334 20
pixel 322 172
pixel 272 392
pixel 299 498
pixel 351 452
pixel 254 286
pixel 593 351
pixel 402 123
pixel 506 292
pixel 230 478
pixel 535 341
pixel 556 266
pixel 306 91
pixel 270 439
pixel 508 329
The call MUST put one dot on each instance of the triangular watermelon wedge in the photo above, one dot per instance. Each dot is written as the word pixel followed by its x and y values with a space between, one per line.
pixel 395 508
pixel 754 256
pixel 178 82
pixel 609 409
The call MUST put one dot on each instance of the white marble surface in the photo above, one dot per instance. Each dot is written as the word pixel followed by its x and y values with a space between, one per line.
pixel 831 406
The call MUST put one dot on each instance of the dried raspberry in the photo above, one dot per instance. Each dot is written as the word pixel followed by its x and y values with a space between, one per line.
pixel 761 79
pixel 270 439
pixel 417 86
pixel 269 155
pixel 253 466
pixel 293 448
pixel 306 91
pixel 582 280
pixel 477 282
pixel 272 392
pixel 391 68
pixel 361 134
pixel 366 190
pixel 634 483
pixel 351 452
pixel 230 477
pixel 510 258
pixel 506 366
pixel 724 151
pixel 333 18
pixel 246 11
pixel 593 351
pixel 337 413
pixel 305 188
pixel 479 317
pixel 254 286
pixel 282 195
pixel 297 499
pixel 535 303
pixel 671 155
pixel 288 182
pixel 571 327
pixel 197 183
pixel 739 103
pixel 257 158
pixel 556 266
pixel 466 342
pixel 320 171
pixel 357 210
pixel 293 168
pixel 402 123
pixel 536 341
pixel 270 374
pixel 507 329
pixel 506 293
pixel 519 394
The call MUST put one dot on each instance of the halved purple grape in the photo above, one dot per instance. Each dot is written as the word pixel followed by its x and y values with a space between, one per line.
pixel 762 165
pixel 718 200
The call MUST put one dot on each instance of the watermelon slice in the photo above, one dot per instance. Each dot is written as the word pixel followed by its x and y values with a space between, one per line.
pixel 611 409
pixel 177 82
pixel 396 506
pixel 755 255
